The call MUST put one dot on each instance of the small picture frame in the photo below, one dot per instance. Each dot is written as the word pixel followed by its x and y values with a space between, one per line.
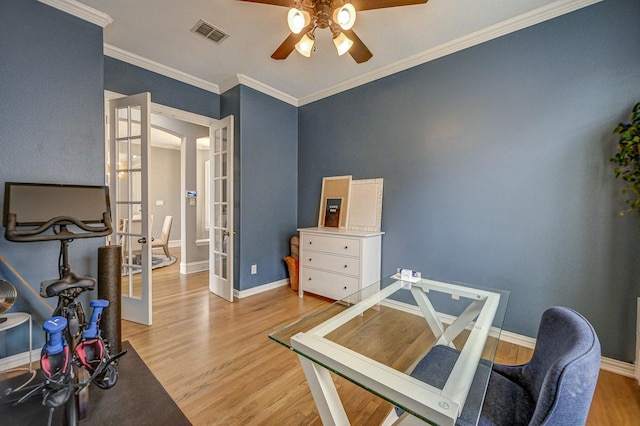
pixel 335 188
pixel 333 207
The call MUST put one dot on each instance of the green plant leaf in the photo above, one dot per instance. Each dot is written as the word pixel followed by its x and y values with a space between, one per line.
pixel 627 159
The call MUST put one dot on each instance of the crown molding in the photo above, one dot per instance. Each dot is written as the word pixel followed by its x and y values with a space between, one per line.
pixel 81 11
pixel 156 67
pixel 229 84
pixel 267 90
pixel 544 13
pixel 148 64
pixel 508 26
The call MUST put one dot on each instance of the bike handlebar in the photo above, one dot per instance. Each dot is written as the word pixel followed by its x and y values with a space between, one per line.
pixel 28 235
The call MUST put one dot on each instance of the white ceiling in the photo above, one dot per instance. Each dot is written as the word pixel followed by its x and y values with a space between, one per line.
pixel 157 34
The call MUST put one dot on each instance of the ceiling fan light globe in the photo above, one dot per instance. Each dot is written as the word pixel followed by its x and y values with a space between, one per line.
pixel 345 16
pixel 343 44
pixel 297 19
pixel 305 45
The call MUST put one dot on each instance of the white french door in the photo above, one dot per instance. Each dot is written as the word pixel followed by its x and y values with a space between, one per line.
pixel 129 123
pixel 221 233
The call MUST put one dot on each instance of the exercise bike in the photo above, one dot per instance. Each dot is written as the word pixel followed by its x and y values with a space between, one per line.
pixel 75 353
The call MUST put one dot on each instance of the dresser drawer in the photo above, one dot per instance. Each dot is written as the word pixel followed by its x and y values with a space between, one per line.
pixel 334 286
pixel 341 264
pixel 335 245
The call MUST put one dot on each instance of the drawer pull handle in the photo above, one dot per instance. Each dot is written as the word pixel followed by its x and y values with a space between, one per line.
pixel 346 266
pixel 309 278
pixel 310 242
pixel 346 247
pixel 345 287
pixel 310 259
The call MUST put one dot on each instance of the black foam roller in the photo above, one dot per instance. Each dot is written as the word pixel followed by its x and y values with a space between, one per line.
pixel 109 287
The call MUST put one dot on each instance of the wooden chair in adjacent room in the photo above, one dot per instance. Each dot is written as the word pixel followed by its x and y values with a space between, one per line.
pixel 163 241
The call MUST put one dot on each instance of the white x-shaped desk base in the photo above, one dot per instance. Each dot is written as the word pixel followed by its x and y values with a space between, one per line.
pixel 319 355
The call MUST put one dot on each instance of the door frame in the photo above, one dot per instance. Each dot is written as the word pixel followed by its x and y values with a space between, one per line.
pixel 136 308
pixel 191 118
pixel 177 114
pixel 221 245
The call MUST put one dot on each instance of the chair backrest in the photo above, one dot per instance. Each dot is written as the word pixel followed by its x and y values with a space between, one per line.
pixel 563 370
pixel 166 228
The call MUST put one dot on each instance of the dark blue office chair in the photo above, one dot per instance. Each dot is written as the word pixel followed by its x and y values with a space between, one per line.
pixel 554 388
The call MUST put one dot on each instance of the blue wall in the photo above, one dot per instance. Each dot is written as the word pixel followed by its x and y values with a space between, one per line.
pixel 51 130
pixel 495 159
pixel 496 167
pixel 268 187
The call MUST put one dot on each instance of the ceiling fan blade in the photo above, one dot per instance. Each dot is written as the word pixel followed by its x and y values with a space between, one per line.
pixel 285 3
pixel 289 44
pixel 361 5
pixel 286 47
pixel 359 52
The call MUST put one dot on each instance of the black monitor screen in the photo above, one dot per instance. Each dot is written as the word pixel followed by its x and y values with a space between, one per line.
pixel 34 204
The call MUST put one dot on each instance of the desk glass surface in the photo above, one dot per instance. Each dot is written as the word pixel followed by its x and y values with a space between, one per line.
pixel 376 336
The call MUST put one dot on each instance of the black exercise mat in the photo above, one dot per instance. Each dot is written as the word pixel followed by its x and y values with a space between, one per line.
pixel 138 398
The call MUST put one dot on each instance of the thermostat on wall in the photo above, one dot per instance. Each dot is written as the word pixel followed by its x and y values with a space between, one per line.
pixel 192 194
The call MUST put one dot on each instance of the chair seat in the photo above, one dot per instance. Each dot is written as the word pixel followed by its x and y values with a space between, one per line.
pixel 506 403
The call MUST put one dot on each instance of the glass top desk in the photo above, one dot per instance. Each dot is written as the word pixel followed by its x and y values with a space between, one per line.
pixel 376 337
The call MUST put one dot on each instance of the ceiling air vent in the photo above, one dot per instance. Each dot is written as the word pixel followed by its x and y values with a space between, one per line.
pixel 207 30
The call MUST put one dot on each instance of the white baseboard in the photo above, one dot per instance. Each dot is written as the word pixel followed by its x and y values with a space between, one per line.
pixel 260 289
pixel 622 368
pixel 193 267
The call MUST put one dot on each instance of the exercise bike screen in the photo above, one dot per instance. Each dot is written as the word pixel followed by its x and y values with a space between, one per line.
pixel 35 204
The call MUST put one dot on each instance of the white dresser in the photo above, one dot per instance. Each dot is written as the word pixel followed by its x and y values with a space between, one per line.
pixel 338 262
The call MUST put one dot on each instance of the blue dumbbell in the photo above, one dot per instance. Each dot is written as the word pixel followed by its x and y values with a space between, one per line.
pixel 92 330
pixel 54 327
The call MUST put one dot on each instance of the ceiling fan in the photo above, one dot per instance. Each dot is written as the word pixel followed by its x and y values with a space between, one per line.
pixel 305 16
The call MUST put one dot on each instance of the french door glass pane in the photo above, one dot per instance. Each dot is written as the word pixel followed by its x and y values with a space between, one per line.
pixel 224 164
pixel 224 140
pixel 223 184
pixel 224 267
pixel 218 240
pixel 136 187
pixel 223 216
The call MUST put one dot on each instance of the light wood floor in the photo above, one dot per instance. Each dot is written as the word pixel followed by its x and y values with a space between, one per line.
pixel 216 361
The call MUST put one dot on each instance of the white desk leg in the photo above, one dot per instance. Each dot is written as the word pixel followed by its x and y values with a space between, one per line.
pixel 324 394
pixel 391 419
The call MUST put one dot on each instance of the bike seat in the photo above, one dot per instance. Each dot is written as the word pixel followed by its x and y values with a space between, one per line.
pixel 51 288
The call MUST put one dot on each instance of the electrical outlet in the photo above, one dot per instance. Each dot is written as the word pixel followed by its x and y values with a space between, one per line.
pixel 254 269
